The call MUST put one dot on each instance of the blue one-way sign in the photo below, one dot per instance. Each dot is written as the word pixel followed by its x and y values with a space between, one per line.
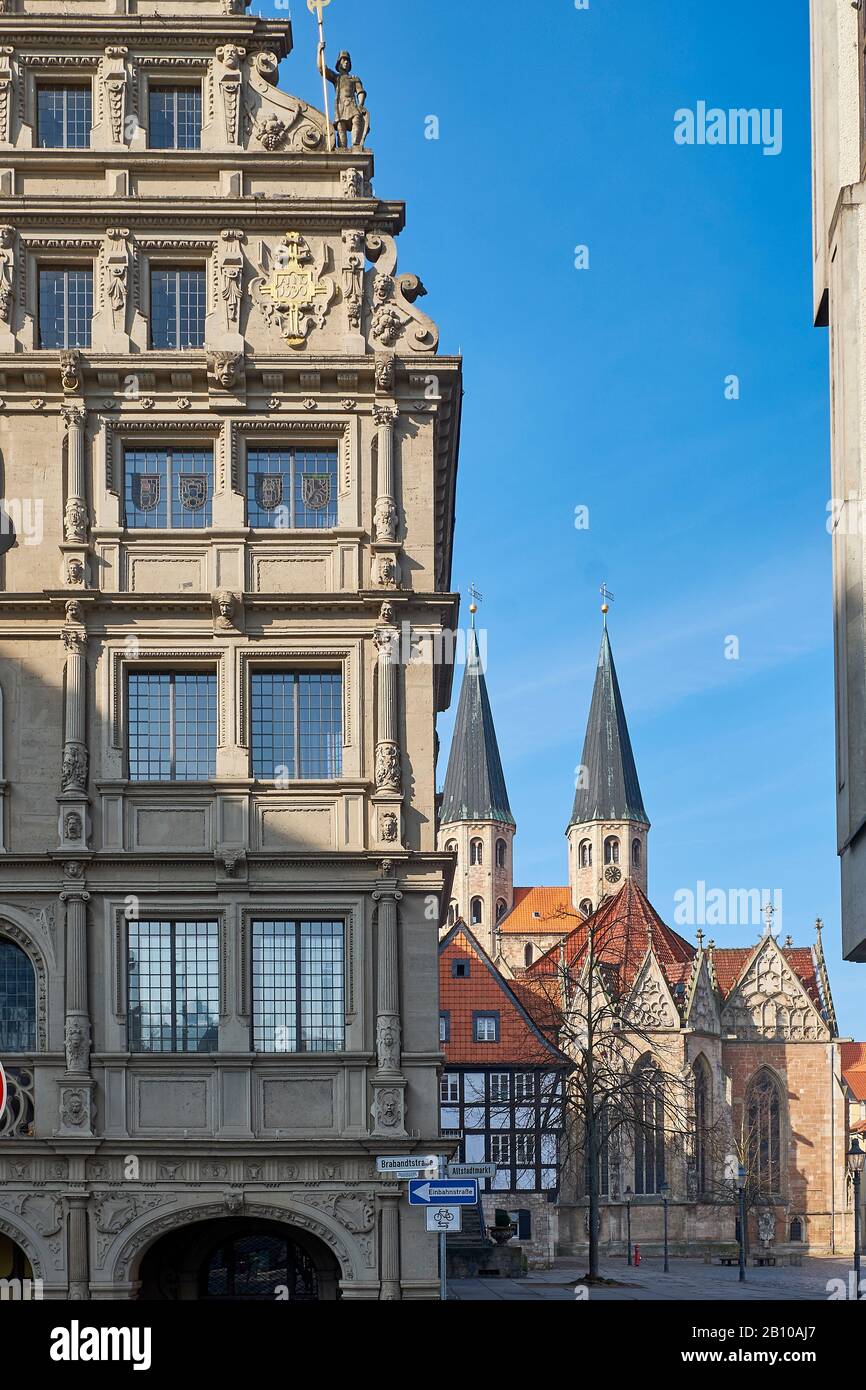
pixel 441 1193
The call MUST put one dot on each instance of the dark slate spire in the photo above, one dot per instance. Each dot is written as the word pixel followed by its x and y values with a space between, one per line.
pixel 613 790
pixel 474 783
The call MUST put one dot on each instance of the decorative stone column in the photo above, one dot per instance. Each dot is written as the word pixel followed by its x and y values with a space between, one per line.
pixel 76 521
pixel 386 548
pixel 388 796
pixel 73 799
pixel 77 1251
pixel 389 1222
pixel 354 258
pixel 389 1084
pixel 76 1087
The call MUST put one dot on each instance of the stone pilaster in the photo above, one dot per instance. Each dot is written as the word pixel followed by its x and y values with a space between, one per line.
pixel 76 521
pixel 73 799
pixel 388 797
pixel 77 1248
pixel 389 1221
pixel 389 1084
pixel 386 547
pixel 75 898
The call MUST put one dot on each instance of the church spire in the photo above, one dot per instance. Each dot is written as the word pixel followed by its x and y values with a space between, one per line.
pixel 608 829
pixel 475 818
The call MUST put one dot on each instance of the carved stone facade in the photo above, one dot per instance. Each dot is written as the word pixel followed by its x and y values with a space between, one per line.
pixel 228 502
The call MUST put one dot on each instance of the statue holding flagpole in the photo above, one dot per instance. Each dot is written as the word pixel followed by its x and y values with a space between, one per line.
pixel 351 117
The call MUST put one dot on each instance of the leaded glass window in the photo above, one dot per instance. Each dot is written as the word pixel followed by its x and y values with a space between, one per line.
pixel 64 115
pixel 174 118
pixel 178 305
pixel 292 488
pixel 298 986
pixel 65 307
pixel 17 999
pixel 172 722
pixel 764 1135
pixel 297 724
pixel 703 1121
pixel 649 1138
pixel 173 986
pixel 168 489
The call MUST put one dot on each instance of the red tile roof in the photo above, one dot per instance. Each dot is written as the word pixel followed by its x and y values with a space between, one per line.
pixel 485 991
pixel 545 910
pixel 622 926
pixel 854 1069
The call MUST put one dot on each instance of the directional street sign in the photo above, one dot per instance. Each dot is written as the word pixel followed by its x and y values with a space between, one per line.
pixel 443 1194
pixel 444 1219
pixel 409 1166
pixel 472 1170
pixel 3 1090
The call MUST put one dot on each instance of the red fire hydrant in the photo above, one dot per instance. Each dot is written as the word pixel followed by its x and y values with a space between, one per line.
pixel 636 1256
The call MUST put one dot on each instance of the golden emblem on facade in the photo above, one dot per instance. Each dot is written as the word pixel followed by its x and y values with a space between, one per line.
pixel 291 292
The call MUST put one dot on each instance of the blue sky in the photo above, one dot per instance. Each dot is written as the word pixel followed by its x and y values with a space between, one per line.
pixel 605 388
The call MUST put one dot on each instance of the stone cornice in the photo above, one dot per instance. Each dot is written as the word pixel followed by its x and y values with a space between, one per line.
pixel 149 31
pixel 198 214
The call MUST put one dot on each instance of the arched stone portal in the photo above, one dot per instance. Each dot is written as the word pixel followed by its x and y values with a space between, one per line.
pixel 238 1258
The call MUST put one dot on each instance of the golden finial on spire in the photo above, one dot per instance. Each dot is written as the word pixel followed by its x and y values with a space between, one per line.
pixel 477 597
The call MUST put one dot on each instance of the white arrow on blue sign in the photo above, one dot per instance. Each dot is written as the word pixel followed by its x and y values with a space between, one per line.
pixel 442 1194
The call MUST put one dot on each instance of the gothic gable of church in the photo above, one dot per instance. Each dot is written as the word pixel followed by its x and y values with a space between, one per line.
pixel 770 1002
pixel 702 1009
pixel 650 1004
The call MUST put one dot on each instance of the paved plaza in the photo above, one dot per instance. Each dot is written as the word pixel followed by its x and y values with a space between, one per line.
pixel 688 1280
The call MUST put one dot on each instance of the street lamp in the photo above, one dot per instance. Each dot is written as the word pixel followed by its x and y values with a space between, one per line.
pixel 741 1186
pixel 856 1159
pixel 628 1196
pixel 664 1189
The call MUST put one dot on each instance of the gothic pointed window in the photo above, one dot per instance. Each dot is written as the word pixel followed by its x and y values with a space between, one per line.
pixel 586 854
pixel 611 850
pixel 635 854
pixel 649 1128
pixel 501 853
pixel 703 1124
pixel 17 999
pixel 476 852
pixel 764 1134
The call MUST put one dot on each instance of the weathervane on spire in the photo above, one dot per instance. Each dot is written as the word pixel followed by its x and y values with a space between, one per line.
pixel 476 597
pixel 607 599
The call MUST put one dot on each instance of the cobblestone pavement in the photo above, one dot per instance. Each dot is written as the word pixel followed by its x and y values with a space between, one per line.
pixel 688 1280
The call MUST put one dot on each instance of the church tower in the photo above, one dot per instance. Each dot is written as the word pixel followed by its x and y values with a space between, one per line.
pixel 475 819
pixel 607 833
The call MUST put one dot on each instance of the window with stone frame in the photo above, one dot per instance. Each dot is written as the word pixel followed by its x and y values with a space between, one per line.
pixel 649 1135
pixel 178 307
pixel 171 721
pixel 296 724
pixel 174 116
pixel 173 986
pixel 763 1116
pixel 168 489
pixel 64 115
pixel 703 1124
pixel 292 489
pixel 65 306
pixel 17 999
pixel 298 986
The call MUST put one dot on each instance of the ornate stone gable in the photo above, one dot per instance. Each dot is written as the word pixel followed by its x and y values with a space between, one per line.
pixel 650 1004
pixel 702 1009
pixel 769 1002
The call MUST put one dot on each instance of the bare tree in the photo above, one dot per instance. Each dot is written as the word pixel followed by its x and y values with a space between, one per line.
pixel 611 1101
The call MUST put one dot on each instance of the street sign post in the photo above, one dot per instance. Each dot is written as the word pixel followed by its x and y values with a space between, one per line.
pixel 444 1193
pixel 472 1170
pixel 4 1090
pixel 408 1166
pixel 444 1219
